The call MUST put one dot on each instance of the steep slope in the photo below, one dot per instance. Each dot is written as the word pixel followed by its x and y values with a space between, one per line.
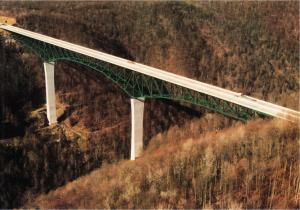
pixel 245 166
pixel 250 47
pixel 18 92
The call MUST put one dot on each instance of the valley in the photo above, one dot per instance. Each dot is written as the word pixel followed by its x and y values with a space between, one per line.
pixel 193 157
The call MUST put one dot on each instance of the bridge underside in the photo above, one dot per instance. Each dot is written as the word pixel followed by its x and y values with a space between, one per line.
pixel 135 84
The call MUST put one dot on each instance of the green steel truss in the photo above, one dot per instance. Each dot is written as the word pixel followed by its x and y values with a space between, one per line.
pixel 135 84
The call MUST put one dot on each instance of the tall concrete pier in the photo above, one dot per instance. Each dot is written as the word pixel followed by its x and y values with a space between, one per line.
pixel 50 92
pixel 137 115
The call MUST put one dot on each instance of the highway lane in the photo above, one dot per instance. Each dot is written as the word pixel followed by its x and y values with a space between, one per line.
pixel 221 93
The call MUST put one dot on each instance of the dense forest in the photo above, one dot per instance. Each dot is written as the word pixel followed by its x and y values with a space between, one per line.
pixel 248 47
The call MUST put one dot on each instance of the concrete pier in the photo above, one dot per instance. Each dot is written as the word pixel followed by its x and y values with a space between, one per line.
pixel 50 92
pixel 137 115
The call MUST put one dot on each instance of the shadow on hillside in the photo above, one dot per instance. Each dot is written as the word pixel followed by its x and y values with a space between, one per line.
pixel 67 113
pixel 9 130
pixel 161 114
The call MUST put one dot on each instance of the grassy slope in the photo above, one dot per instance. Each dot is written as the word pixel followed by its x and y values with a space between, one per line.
pixel 248 166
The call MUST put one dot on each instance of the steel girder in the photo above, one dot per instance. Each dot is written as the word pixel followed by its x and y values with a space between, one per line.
pixel 135 84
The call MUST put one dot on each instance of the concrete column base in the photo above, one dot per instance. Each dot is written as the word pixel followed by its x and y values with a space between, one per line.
pixel 50 92
pixel 137 115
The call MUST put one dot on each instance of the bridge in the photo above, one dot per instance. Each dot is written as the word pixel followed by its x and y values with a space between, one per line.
pixel 142 82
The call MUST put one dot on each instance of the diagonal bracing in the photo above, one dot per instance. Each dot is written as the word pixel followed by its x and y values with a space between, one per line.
pixel 135 84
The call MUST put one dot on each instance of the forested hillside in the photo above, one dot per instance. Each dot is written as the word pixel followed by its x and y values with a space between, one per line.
pixel 246 166
pixel 18 92
pixel 248 47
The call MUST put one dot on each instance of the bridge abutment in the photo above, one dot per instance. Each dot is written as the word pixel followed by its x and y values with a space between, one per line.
pixel 137 115
pixel 50 92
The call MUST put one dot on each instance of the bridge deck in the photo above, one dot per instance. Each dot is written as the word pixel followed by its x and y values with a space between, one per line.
pixel 221 93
